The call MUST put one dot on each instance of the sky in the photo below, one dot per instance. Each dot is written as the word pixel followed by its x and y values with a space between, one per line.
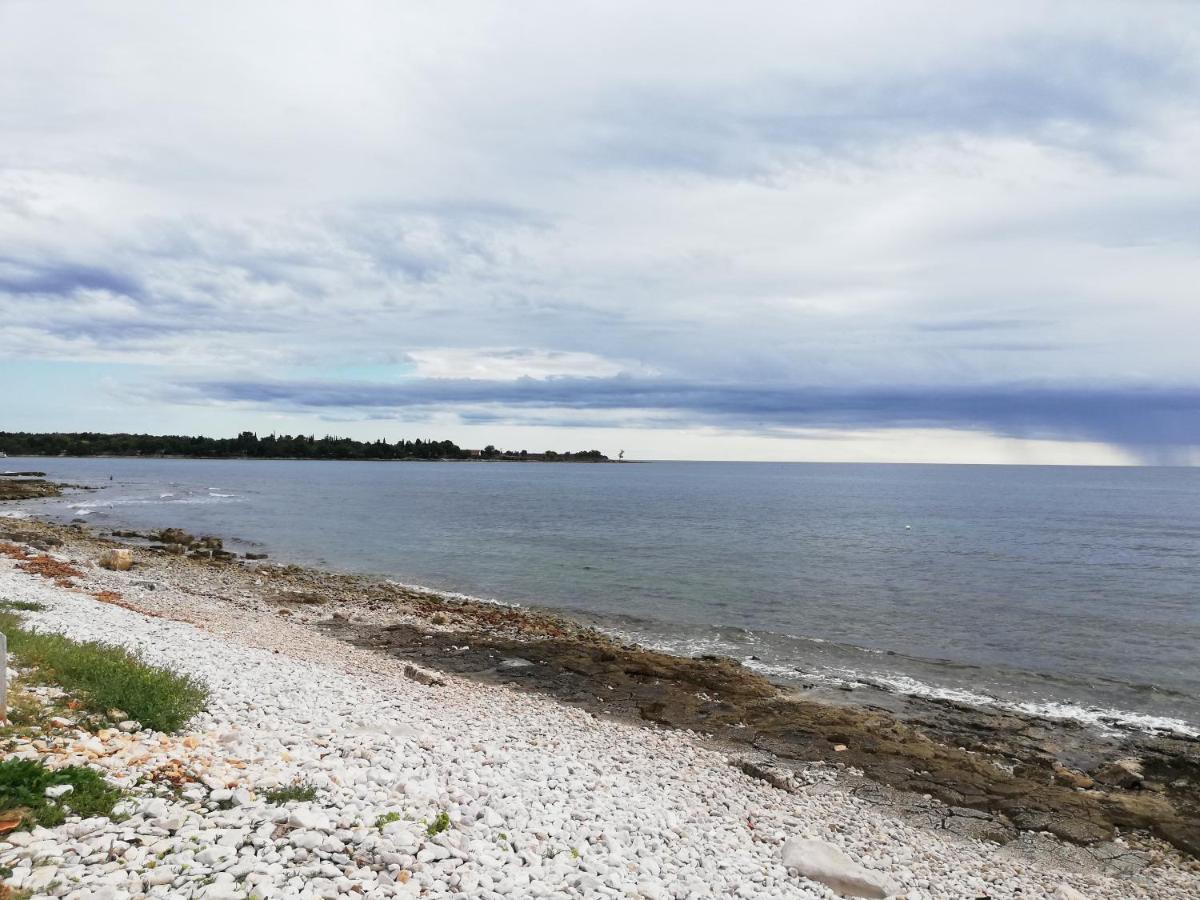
pixel 919 232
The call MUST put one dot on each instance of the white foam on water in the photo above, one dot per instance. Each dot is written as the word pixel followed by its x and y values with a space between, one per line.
pixel 195 500
pixel 451 595
pixel 15 514
pixel 1109 721
pixel 1102 718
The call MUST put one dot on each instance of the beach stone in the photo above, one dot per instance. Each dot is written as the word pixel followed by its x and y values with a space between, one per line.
pixel 41 878
pixel 175 536
pixel 1123 773
pixel 119 559
pixel 825 863
pixel 514 662
pixel 305 818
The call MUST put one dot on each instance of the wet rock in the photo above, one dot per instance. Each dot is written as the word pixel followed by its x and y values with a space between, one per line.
pixel 1123 773
pixel 978 824
pixel 175 536
pixel 27 488
pixel 514 662
pixel 1071 777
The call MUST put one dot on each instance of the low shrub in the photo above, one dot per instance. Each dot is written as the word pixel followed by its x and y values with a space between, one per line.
pixel 297 790
pixel 23 784
pixel 439 824
pixel 105 677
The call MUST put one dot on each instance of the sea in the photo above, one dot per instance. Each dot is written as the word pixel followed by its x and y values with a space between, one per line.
pixel 1063 592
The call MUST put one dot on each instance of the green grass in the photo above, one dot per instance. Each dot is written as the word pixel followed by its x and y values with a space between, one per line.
pixel 387 819
pixel 23 784
pixel 438 825
pixel 105 677
pixel 22 605
pixel 297 790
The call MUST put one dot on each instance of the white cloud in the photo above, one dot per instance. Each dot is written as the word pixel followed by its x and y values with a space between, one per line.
pixel 507 364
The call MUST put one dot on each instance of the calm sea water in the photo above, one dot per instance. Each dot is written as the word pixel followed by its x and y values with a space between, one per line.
pixel 1072 592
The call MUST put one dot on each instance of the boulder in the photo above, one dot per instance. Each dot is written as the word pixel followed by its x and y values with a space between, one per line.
pixel 1066 892
pixel 1072 777
pixel 175 536
pixel 825 863
pixel 119 560
pixel 1124 773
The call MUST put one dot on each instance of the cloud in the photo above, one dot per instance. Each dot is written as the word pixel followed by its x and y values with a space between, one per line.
pixel 487 364
pixel 1124 416
pixel 62 279
pixel 659 219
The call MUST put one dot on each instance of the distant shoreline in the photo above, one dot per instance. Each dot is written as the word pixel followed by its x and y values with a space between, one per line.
pixel 248 445
pixel 497 459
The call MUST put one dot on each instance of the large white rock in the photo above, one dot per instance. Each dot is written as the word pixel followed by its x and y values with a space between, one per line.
pixel 1066 892
pixel 827 864
pixel 120 559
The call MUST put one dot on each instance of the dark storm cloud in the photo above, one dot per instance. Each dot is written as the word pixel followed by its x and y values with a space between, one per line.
pixel 63 279
pixel 1124 416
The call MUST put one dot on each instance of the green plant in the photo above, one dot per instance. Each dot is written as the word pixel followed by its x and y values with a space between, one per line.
pixel 106 677
pixel 23 605
pixel 23 784
pixel 299 789
pixel 387 819
pixel 438 825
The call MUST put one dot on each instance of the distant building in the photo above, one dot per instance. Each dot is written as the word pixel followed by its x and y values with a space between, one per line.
pixel 474 454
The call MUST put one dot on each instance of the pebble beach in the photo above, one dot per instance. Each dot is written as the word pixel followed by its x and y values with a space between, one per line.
pixel 430 785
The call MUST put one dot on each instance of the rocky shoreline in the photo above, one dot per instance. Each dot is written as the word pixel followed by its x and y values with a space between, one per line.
pixel 998 774
pixel 27 486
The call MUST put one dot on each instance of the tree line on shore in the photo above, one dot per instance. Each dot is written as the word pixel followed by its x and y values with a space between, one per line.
pixel 248 445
